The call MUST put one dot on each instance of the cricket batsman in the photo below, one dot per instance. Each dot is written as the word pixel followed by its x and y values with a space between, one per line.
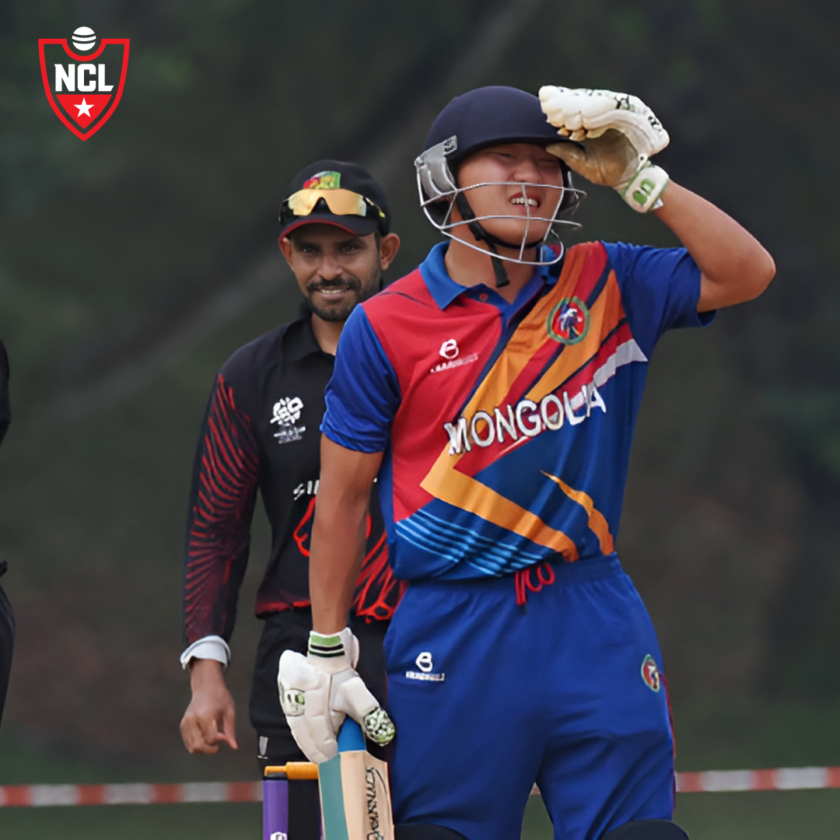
pixel 494 392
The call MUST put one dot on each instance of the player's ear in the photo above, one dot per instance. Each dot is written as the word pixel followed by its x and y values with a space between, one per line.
pixel 388 247
pixel 286 248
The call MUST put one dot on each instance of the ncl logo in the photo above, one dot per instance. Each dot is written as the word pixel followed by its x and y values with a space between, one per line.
pixel 83 90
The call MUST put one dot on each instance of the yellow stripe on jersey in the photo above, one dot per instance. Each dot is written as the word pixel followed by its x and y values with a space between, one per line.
pixel 597 522
pixel 446 483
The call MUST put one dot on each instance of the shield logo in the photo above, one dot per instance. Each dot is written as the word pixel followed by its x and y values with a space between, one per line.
pixel 568 322
pixel 650 674
pixel 83 90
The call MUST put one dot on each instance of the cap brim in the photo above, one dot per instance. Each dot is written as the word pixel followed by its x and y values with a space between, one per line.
pixel 352 224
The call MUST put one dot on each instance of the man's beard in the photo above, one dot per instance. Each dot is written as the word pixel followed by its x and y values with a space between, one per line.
pixel 339 311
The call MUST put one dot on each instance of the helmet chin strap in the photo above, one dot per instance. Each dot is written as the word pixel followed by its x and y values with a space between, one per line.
pixel 493 241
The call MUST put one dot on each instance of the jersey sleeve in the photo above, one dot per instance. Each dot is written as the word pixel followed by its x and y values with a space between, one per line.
pixel 363 394
pixel 660 288
pixel 222 497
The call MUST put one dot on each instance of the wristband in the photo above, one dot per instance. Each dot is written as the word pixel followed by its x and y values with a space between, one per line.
pixel 642 192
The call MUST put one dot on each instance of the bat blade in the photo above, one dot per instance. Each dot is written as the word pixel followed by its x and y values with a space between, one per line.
pixel 355 794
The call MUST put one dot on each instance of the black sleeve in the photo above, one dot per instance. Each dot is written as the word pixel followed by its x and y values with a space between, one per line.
pixel 224 487
pixel 5 410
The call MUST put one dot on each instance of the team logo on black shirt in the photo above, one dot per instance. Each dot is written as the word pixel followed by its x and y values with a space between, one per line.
pixel 286 412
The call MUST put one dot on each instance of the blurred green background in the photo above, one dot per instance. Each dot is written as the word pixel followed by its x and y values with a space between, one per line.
pixel 134 263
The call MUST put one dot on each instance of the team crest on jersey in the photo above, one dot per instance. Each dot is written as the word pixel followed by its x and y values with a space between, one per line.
pixel 83 90
pixel 568 322
pixel 286 412
pixel 650 674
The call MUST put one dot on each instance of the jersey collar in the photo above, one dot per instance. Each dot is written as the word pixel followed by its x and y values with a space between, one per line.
pixel 444 289
pixel 299 339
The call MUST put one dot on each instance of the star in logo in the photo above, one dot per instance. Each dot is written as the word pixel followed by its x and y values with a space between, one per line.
pixel 84 108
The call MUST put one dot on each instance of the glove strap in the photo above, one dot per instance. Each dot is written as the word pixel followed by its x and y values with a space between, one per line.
pixel 325 647
pixel 644 189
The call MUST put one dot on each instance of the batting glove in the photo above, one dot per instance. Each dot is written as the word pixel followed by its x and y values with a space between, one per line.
pixel 617 133
pixel 318 690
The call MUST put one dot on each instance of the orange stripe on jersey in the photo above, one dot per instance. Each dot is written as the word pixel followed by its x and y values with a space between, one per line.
pixel 604 315
pixel 531 339
pixel 446 483
pixel 597 522
pixel 530 345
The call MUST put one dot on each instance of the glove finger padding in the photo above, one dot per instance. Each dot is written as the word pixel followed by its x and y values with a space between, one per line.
pixel 305 700
pixel 589 113
pixel 609 160
pixel 351 696
pixel 619 134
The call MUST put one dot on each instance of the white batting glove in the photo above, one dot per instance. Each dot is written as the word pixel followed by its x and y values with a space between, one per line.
pixel 318 690
pixel 619 134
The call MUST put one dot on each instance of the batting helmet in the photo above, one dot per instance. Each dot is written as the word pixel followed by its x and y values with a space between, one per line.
pixel 484 117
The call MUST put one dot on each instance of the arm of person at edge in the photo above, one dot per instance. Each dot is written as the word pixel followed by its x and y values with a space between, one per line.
pixel 210 718
pixel 338 532
pixel 734 266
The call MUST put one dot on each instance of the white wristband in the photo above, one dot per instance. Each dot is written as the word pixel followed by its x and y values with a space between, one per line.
pixel 208 647
pixel 644 189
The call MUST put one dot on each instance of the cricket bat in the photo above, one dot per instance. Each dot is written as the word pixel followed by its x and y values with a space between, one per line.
pixel 355 794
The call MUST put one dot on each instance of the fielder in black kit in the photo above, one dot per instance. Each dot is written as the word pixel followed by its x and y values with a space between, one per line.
pixel 261 432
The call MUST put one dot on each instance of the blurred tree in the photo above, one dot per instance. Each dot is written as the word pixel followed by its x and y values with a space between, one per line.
pixel 131 264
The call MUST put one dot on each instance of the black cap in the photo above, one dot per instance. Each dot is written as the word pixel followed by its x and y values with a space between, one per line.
pixel 338 174
pixel 488 116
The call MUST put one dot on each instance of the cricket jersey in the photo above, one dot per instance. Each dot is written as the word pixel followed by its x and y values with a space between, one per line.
pixel 506 427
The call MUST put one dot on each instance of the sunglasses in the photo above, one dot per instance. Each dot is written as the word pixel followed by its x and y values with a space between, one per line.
pixel 340 202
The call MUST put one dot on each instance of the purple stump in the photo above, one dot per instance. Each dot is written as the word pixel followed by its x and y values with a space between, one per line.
pixel 276 807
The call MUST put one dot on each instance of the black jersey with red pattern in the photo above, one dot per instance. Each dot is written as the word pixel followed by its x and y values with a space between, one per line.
pixel 261 432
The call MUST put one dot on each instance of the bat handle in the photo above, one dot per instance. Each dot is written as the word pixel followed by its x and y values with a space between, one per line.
pixel 350 737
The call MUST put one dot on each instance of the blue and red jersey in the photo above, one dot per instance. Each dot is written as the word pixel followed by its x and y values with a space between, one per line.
pixel 506 427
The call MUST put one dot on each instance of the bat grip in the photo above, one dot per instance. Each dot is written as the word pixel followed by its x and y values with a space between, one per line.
pixel 350 737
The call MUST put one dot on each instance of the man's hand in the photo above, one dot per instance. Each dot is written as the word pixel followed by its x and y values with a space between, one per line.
pixel 614 135
pixel 317 691
pixel 210 718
